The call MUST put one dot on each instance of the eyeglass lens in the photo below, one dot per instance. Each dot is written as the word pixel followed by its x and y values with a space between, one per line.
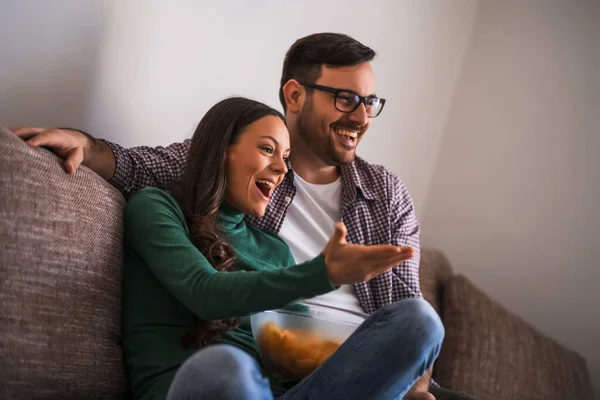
pixel 348 102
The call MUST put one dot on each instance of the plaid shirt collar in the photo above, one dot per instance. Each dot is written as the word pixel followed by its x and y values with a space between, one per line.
pixel 352 182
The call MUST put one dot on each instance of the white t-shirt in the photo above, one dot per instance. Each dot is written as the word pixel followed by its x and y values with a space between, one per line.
pixel 307 227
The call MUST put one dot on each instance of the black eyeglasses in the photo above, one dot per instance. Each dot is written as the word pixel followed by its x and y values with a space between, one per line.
pixel 348 101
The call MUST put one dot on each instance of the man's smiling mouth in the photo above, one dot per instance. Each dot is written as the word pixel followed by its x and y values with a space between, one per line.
pixel 347 136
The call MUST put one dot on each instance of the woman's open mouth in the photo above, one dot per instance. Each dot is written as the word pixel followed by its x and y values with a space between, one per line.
pixel 265 187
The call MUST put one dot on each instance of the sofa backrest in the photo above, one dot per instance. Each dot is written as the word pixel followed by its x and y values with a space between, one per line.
pixel 434 271
pixel 60 278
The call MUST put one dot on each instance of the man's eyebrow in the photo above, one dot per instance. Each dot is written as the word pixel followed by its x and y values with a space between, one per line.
pixel 273 139
pixel 353 91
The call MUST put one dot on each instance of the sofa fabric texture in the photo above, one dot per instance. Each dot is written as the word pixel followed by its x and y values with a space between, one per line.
pixel 60 278
pixel 496 355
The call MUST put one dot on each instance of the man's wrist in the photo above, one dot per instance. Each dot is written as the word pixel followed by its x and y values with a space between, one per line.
pixel 97 155
pixel 101 158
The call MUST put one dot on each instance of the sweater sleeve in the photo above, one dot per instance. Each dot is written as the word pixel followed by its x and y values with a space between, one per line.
pixel 155 230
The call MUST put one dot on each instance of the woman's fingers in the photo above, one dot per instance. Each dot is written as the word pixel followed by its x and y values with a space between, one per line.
pixel 384 251
pixel 350 263
pixel 339 235
pixel 388 259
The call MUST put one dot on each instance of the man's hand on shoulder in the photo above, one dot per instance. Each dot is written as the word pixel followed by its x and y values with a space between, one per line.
pixel 68 144
pixel 73 146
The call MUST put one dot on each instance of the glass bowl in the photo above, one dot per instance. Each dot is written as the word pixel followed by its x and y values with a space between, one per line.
pixel 293 342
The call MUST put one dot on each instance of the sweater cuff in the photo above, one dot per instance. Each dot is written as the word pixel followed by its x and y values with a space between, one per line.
pixel 317 274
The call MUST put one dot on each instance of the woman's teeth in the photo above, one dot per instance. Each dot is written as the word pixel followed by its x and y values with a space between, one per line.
pixel 266 187
pixel 270 184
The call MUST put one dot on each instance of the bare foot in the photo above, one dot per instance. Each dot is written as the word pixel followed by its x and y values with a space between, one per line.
pixel 419 396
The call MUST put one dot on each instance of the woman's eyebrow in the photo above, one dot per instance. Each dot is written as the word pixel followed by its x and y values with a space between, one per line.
pixel 273 139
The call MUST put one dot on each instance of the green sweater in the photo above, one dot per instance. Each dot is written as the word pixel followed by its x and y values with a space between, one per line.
pixel 167 282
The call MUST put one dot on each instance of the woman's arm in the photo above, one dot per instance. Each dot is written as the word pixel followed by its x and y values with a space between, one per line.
pixel 155 231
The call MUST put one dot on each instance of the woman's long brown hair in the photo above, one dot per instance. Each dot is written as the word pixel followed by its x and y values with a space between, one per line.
pixel 202 187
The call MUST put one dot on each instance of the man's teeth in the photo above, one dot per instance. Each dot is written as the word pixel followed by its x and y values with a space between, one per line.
pixel 346 132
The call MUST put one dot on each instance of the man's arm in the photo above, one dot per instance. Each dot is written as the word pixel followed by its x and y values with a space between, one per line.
pixel 142 166
pixel 405 232
pixel 127 169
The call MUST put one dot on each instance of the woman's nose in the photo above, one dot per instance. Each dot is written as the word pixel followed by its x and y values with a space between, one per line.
pixel 280 166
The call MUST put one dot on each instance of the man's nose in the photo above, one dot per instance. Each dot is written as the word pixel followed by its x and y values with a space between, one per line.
pixel 359 116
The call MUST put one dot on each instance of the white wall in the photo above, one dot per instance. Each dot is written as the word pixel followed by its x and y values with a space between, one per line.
pixel 49 53
pixel 145 71
pixel 515 195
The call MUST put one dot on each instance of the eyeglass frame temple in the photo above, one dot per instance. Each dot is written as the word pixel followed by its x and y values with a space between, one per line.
pixel 335 91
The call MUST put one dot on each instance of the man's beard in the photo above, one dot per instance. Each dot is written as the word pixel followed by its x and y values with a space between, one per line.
pixel 322 147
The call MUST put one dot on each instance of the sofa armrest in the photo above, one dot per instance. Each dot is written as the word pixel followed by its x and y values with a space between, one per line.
pixel 60 278
pixel 491 353
pixel 434 272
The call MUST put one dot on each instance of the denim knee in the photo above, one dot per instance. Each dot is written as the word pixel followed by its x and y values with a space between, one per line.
pixel 424 320
pixel 220 372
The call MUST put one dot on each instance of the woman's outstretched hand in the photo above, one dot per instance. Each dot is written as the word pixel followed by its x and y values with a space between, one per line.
pixel 352 263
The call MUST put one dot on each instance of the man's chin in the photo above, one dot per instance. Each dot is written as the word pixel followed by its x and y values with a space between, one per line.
pixel 336 157
pixel 344 157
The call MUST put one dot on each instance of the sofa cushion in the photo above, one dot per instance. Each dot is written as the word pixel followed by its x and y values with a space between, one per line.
pixel 60 278
pixel 434 272
pixel 492 354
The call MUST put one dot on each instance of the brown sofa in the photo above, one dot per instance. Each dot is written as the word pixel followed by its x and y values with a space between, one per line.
pixel 60 293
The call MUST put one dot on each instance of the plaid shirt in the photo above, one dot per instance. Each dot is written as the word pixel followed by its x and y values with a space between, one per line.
pixel 376 209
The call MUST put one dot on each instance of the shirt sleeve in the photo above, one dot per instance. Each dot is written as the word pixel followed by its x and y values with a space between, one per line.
pixel 142 166
pixel 155 231
pixel 405 232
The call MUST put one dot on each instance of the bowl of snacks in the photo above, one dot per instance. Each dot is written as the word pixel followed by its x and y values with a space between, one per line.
pixel 294 341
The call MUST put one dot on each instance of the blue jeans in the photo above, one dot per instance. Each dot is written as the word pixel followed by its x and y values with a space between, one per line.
pixel 381 360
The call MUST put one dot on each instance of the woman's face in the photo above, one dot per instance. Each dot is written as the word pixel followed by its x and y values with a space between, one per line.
pixel 256 165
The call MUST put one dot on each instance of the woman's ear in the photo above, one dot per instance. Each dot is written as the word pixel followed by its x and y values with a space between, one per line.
pixel 294 95
pixel 225 157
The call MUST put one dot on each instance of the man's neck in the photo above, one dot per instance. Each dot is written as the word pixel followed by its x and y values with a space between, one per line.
pixel 307 164
pixel 314 170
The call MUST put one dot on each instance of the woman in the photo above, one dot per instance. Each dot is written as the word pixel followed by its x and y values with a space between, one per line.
pixel 194 270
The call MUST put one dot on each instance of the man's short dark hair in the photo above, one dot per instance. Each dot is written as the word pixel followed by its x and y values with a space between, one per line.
pixel 303 61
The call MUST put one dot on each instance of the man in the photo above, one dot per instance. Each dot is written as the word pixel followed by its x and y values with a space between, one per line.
pixel 328 95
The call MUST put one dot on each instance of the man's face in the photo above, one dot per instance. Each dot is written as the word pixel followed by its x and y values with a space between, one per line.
pixel 331 134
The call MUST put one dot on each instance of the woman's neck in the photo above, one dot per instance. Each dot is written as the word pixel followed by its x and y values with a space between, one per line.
pixel 229 216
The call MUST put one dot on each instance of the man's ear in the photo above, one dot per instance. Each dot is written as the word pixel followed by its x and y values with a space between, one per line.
pixel 294 95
